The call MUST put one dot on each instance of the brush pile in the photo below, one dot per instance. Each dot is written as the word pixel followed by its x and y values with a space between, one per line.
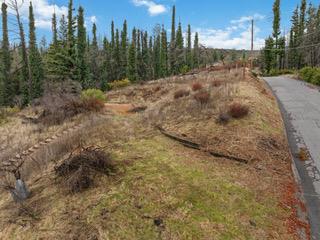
pixel 79 170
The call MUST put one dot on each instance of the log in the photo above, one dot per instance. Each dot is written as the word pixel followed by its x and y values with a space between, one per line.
pixel 193 145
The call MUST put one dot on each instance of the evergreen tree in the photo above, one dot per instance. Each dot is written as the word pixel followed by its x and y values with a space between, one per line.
pixel 196 52
pixel 157 52
pixel 116 55
pixel 140 66
pixel 145 56
pixel 63 31
pixel 94 59
pixel 151 73
pixel 71 44
pixel 82 64
pixel 293 43
pixel 35 61
pixel 54 30
pixel 269 54
pixel 179 50
pixel 276 29
pixel 189 49
pixel 124 50
pixel 6 94
pixel 164 53
pixel 106 65
pixel 132 63
pixel 172 53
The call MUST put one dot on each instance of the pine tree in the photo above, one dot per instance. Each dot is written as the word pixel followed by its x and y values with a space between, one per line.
pixel 54 30
pixel 113 69
pixel 124 50
pixel 151 64
pixel 293 44
pixel 116 55
pixel 37 72
pixel 179 50
pixel 145 56
pixel 196 52
pixel 82 64
pixel 57 58
pixel 189 49
pixel 71 44
pixel 276 29
pixel 132 63
pixel 63 31
pixel 140 66
pixel 94 54
pixel 164 53
pixel 106 65
pixel 269 54
pixel 156 52
pixel 172 53
pixel 6 93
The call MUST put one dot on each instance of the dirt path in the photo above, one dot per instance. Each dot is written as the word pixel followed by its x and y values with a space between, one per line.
pixel 300 107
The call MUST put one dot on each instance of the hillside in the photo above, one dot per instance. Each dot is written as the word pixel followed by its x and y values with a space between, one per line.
pixel 158 187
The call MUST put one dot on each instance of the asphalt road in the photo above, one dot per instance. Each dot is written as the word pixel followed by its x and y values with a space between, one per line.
pixel 300 107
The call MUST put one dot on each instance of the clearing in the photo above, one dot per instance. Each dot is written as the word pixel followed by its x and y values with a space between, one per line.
pixel 161 188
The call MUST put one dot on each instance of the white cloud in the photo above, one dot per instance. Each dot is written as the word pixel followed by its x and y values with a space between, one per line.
pixel 43 11
pixel 93 19
pixel 236 36
pixel 153 8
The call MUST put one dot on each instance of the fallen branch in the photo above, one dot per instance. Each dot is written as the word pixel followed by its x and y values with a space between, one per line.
pixel 189 144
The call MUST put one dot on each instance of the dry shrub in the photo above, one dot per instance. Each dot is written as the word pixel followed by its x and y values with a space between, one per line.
pixel 78 171
pixel 157 89
pixel 196 87
pixel 181 93
pixel 55 112
pixel 223 118
pixel 238 110
pixel 216 83
pixel 202 97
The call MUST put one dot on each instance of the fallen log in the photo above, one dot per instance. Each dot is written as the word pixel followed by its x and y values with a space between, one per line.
pixel 193 145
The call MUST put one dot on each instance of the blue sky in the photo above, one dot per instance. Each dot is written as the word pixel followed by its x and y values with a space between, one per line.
pixel 221 24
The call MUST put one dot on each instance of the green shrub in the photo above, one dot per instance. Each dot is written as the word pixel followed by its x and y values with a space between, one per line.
pixel 6 112
pixel 119 84
pixel 307 73
pixel 316 77
pixel 93 94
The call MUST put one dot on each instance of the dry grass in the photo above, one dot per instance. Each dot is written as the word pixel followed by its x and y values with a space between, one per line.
pixel 161 183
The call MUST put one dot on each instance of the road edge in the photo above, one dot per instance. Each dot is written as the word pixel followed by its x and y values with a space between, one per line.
pixel 305 189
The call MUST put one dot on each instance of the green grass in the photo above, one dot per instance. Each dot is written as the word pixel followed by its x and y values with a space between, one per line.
pixel 192 197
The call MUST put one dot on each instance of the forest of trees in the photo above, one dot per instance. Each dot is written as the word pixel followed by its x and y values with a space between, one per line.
pixel 71 54
pixel 302 47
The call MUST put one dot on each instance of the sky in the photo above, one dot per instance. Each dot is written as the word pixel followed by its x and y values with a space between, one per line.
pixel 220 24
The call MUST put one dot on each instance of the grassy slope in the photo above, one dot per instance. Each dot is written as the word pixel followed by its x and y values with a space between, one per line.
pixel 192 195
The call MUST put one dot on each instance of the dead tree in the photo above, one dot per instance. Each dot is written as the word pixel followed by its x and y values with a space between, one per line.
pixel 26 71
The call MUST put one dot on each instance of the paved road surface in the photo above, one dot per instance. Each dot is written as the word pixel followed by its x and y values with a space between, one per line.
pixel 300 106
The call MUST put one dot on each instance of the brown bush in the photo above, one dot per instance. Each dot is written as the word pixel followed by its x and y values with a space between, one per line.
pixel 196 87
pixel 181 93
pixel 78 171
pixel 157 89
pixel 217 83
pixel 202 97
pixel 238 110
